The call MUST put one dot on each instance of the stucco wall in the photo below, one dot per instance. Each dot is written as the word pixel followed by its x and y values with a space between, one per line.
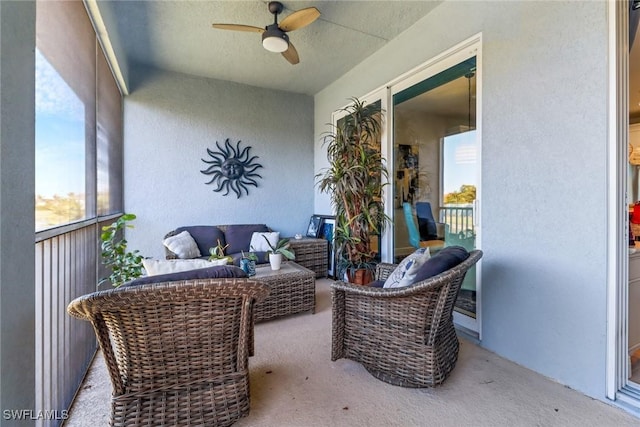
pixel 17 207
pixel 170 121
pixel 544 139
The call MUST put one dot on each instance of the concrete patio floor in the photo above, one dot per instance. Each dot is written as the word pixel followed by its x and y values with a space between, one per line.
pixel 294 383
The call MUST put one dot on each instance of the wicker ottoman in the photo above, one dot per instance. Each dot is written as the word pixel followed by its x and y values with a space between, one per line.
pixel 292 290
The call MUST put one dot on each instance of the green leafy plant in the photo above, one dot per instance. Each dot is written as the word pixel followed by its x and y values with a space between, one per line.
pixel 124 265
pixel 282 247
pixel 354 182
pixel 250 256
pixel 217 253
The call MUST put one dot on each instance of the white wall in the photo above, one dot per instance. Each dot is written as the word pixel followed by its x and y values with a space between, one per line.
pixel 544 118
pixel 170 121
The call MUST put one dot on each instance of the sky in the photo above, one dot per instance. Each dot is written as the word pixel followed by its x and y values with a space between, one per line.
pixel 60 140
pixel 460 166
pixel 60 134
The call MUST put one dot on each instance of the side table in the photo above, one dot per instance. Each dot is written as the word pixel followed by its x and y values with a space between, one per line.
pixel 312 254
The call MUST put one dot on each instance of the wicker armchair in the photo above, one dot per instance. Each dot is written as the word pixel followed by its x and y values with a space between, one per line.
pixel 177 353
pixel 403 336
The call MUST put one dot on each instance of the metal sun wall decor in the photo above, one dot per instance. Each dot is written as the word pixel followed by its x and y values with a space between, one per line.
pixel 232 169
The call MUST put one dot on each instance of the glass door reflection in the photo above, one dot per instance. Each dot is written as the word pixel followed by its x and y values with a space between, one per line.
pixel 434 169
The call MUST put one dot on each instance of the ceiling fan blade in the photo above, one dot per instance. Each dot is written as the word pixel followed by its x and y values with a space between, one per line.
pixel 291 54
pixel 299 19
pixel 238 27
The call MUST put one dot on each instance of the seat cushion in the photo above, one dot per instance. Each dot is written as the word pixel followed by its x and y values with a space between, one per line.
pixel 447 258
pixel 206 237
pixel 154 267
pixel 376 284
pixel 262 258
pixel 216 272
pixel 238 237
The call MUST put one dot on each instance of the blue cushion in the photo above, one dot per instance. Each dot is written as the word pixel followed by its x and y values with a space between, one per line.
pixel 238 237
pixel 206 237
pixel 376 284
pixel 262 257
pixel 215 272
pixel 445 259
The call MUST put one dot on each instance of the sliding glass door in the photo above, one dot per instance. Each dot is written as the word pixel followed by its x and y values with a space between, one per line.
pixel 458 207
pixel 435 168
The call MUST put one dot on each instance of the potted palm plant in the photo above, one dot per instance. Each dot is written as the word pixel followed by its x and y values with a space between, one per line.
pixel 354 181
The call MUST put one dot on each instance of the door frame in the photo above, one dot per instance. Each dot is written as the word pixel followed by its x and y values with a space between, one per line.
pixel 618 386
pixel 459 53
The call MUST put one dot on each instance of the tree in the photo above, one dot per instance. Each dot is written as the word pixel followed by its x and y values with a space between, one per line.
pixel 466 194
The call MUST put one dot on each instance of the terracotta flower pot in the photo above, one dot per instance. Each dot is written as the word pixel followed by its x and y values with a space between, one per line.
pixel 361 276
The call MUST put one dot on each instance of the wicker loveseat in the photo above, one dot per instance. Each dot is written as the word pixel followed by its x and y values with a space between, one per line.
pixel 176 352
pixel 403 336
pixel 310 253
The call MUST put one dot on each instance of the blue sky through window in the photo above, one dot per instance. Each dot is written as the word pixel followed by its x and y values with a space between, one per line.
pixel 459 161
pixel 60 134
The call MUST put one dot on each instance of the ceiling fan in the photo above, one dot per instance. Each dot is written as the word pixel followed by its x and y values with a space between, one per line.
pixel 274 36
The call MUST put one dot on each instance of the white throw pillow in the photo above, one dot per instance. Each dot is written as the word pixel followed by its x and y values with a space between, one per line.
pixel 182 245
pixel 155 267
pixel 405 272
pixel 258 244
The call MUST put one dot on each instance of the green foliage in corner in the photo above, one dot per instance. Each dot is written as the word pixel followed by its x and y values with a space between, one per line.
pixel 124 265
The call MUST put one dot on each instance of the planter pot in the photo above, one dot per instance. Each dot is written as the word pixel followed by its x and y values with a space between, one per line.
pixel 275 260
pixel 248 266
pixel 361 276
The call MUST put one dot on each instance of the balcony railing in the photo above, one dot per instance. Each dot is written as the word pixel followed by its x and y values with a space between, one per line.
pixel 459 219
pixel 66 267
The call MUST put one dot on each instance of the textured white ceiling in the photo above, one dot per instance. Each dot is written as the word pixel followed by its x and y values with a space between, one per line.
pixel 177 36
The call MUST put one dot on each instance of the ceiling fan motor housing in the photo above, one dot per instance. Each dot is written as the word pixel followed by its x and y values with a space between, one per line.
pixel 273 37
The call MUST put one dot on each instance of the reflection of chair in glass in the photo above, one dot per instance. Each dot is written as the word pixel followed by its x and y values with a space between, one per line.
pixel 427 225
pixel 177 353
pixel 414 235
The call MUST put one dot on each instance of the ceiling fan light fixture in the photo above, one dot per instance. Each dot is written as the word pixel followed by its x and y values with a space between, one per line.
pixel 274 39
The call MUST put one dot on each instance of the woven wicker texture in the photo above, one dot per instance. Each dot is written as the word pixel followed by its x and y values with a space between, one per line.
pixel 177 353
pixel 310 253
pixel 403 336
pixel 292 289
